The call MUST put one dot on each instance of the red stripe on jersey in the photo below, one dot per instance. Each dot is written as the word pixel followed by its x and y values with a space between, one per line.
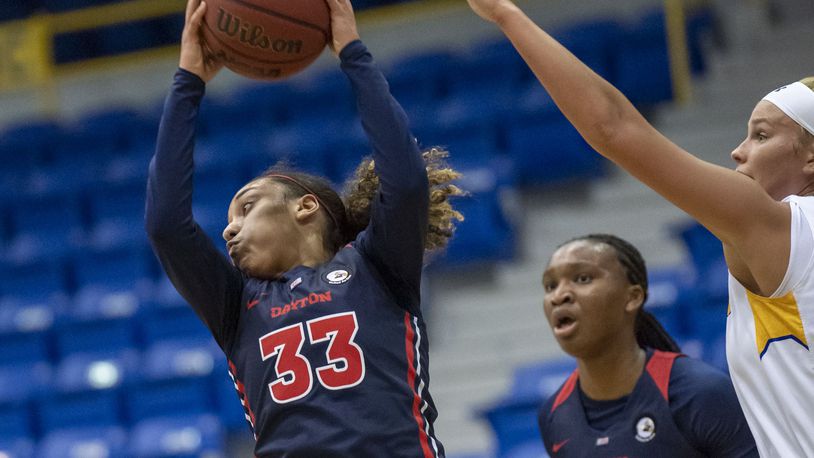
pixel 422 435
pixel 242 392
pixel 566 390
pixel 659 368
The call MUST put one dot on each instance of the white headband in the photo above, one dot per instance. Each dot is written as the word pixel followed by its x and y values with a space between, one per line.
pixel 797 101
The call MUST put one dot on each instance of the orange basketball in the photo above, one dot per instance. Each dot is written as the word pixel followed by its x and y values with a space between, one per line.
pixel 267 39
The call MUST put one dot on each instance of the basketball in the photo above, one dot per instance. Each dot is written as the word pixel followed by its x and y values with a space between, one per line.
pixel 266 39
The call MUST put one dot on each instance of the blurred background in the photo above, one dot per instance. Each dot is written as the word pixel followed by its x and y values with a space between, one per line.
pixel 99 357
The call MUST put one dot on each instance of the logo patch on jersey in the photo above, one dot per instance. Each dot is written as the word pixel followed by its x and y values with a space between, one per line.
pixel 776 319
pixel 645 429
pixel 602 441
pixel 556 447
pixel 337 277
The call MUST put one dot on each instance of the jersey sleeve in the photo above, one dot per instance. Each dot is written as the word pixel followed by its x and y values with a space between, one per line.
pixel 394 238
pixel 200 273
pixel 706 411
pixel 801 254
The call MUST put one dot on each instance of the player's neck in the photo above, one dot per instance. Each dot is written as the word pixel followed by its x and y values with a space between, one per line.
pixel 612 373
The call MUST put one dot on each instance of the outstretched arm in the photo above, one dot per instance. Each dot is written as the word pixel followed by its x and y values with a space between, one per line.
pixel 394 239
pixel 733 206
pixel 196 268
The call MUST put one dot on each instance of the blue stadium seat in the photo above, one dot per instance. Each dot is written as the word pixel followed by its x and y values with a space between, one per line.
pixel 36 232
pixel 322 96
pixel 484 235
pixel 86 391
pixel 26 345
pixel 16 448
pixel 671 293
pixel 175 380
pixel 487 66
pixel 16 419
pixel 32 282
pixel 27 145
pixel 117 215
pixel 113 270
pixel 644 45
pixel 178 437
pixel 303 145
pixel 514 418
pixel 707 257
pixel 418 81
pixel 550 153
pixel 167 316
pixel 514 424
pixel 541 380
pixel 593 42
pixel 127 128
pixel 37 376
pixel 89 442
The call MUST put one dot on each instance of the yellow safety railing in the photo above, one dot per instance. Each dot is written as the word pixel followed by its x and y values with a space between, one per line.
pixel 676 26
pixel 29 42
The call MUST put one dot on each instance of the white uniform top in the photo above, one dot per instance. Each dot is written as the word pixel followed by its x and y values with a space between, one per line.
pixel 768 343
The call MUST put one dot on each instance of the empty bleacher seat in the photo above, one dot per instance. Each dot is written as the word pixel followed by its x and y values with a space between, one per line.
pixel 175 380
pixel 551 152
pixel 167 316
pixel 92 442
pixel 43 227
pixel 644 46
pixel 117 214
pixel 86 390
pixel 178 437
pixel 16 448
pixel 514 418
pixel 594 42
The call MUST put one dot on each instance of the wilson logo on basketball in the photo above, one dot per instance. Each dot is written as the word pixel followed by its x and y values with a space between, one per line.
pixel 254 35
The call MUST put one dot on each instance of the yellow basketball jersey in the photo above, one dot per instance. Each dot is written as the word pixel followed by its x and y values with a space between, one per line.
pixel 768 342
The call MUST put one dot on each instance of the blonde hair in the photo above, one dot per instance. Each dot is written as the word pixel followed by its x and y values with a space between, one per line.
pixel 361 189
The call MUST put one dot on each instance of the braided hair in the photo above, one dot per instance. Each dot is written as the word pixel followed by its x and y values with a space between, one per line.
pixel 649 332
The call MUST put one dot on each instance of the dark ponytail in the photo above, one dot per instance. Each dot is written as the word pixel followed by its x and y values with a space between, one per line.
pixel 649 332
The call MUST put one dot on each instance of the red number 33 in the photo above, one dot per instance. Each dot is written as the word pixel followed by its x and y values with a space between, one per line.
pixel 346 362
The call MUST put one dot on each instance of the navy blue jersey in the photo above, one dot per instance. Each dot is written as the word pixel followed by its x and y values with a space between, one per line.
pixel 679 408
pixel 331 360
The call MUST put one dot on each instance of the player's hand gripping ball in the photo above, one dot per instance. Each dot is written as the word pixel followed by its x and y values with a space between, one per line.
pixel 266 39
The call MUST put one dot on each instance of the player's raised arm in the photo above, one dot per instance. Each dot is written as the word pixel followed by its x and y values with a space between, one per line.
pixel 735 207
pixel 397 230
pixel 199 272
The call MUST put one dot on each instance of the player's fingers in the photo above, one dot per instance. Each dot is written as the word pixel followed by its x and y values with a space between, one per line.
pixel 197 16
pixel 192 5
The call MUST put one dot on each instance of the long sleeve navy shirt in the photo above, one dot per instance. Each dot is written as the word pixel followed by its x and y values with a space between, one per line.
pixel 330 360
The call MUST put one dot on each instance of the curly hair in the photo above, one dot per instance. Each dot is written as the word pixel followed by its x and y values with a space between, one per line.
pixel 350 215
pixel 361 188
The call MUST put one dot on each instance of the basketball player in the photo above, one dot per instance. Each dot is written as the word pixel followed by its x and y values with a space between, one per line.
pixel 632 394
pixel 762 212
pixel 318 311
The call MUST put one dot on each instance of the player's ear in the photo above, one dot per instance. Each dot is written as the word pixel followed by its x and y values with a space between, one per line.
pixel 306 208
pixel 635 299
